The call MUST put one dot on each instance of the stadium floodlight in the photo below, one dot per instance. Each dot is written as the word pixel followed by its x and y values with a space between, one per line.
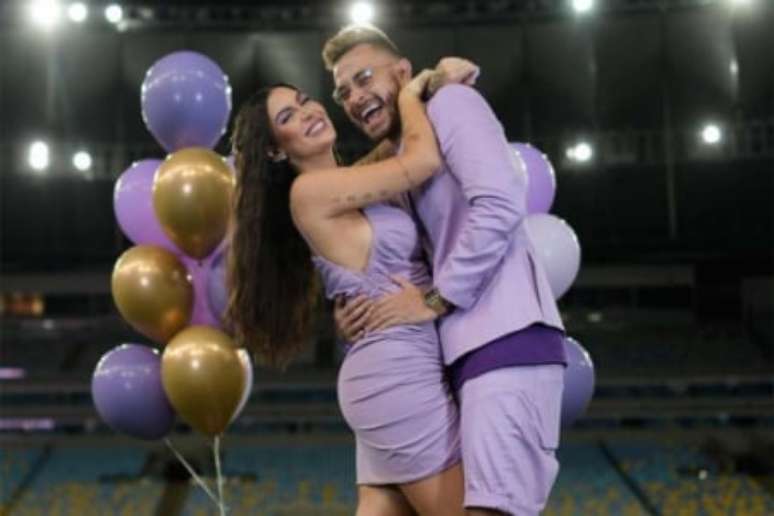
pixel 45 13
pixel 77 12
pixel 114 13
pixel 582 6
pixel 581 152
pixel 361 12
pixel 733 67
pixel 711 134
pixel 39 156
pixel 82 161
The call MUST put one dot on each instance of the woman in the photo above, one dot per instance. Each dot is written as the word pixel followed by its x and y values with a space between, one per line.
pixel 391 387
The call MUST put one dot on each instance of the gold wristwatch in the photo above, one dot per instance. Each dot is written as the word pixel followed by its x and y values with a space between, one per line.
pixel 435 302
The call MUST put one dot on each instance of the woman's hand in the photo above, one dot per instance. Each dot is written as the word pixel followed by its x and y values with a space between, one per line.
pixel 416 87
pixel 406 306
pixel 451 70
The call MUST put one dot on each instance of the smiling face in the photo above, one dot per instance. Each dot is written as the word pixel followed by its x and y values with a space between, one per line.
pixel 367 82
pixel 301 127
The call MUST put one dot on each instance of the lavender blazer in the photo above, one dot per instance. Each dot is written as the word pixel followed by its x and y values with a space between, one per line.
pixel 472 213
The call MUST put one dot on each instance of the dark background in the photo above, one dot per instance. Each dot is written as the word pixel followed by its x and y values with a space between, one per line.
pixel 630 81
pixel 674 299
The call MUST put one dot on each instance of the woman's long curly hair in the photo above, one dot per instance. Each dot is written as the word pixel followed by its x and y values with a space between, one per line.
pixel 271 278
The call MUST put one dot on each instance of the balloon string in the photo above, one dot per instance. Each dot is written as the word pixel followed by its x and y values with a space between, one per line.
pixel 219 475
pixel 193 474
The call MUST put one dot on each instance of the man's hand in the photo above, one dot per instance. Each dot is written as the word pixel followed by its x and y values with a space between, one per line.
pixel 350 317
pixel 407 306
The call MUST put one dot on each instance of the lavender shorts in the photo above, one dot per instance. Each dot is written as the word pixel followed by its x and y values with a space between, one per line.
pixel 393 395
pixel 510 431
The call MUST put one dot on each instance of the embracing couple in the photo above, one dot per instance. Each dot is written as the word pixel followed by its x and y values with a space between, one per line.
pixel 452 381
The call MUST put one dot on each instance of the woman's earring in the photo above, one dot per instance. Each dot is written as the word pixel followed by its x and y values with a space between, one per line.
pixel 277 157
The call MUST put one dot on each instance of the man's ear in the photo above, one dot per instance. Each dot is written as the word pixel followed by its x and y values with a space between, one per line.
pixel 404 70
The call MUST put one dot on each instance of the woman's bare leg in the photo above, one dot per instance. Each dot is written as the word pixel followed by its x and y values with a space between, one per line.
pixel 440 495
pixel 382 501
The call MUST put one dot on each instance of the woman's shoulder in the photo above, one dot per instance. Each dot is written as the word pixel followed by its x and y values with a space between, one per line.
pixel 310 201
pixel 305 194
pixel 307 188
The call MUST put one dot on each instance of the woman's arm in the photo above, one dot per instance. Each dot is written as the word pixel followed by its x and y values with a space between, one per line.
pixel 385 149
pixel 328 193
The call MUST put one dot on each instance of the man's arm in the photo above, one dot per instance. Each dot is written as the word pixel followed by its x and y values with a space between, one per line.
pixel 493 182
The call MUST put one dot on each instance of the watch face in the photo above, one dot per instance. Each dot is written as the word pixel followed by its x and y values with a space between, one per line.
pixel 434 302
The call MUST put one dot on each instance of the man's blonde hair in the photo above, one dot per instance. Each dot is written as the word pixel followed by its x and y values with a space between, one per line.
pixel 351 36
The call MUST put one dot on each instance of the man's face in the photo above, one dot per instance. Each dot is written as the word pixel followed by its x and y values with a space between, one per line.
pixel 367 81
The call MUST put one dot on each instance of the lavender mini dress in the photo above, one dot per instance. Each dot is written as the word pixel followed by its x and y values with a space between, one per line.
pixel 391 386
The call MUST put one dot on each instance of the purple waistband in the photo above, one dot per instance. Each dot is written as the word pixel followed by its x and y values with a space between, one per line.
pixel 534 345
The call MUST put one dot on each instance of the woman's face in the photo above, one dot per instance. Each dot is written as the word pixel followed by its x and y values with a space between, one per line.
pixel 301 126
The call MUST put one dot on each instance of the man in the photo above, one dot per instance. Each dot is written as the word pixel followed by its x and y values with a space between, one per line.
pixel 500 329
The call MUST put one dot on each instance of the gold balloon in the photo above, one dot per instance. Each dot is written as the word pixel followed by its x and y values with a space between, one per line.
pixel 152 291
pixel 203 378
pixel 192 193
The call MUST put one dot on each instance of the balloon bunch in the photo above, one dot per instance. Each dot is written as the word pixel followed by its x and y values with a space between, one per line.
pixel 558 251
pixel 170 286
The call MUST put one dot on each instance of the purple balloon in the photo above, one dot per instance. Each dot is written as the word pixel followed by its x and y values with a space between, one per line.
pixel 186 101
pixel 128 393
pixel 217 293
pixel 541 188
pixel 133 205
pixel 557 248
pixel 578 381
pixel 199 271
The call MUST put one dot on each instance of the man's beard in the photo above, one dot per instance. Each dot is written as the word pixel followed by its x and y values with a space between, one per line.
pixel 390 106
pixel 394 129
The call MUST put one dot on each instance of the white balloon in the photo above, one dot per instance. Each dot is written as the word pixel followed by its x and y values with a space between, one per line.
pixel 557 248
pixel 247 366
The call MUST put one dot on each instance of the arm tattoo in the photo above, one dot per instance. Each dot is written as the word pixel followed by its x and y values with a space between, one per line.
pixel 405 172
pixel 367 198
pixel 381 152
